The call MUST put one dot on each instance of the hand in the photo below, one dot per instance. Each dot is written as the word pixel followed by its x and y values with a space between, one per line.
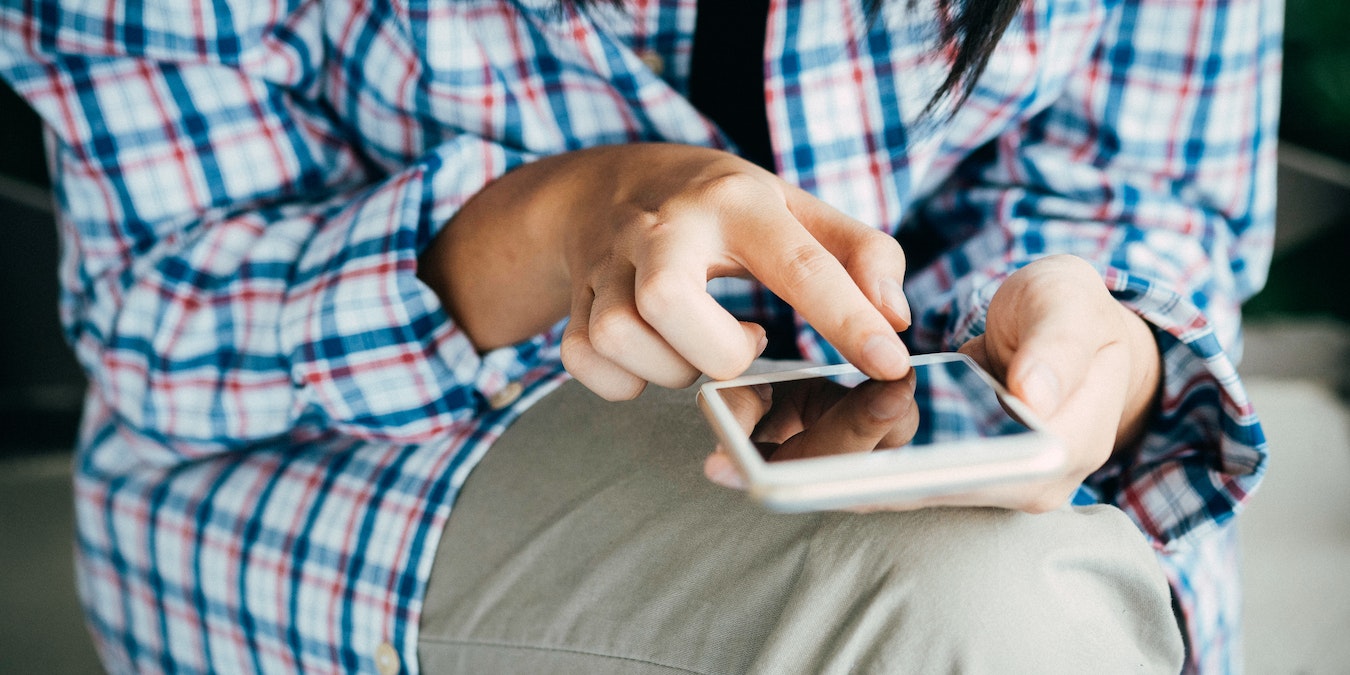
pixel 1086 365
pixel 623 239
pixel 799 419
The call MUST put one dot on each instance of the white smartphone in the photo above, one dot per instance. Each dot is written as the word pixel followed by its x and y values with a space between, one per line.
pixel 804 439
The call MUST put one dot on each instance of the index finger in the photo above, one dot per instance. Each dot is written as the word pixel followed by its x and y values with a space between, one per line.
pixel 874 259
pixel 780 252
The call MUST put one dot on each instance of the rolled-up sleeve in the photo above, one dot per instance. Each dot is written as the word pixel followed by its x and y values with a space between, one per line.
pixel 236 262
pixel 1154 162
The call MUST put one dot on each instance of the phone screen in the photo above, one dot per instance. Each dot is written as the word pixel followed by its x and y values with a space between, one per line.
pixel 829 437
pixel 954 403
pixel 943 403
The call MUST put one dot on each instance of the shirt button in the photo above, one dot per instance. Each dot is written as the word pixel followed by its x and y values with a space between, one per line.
pixel 506 395
pixel 386 659
pixel 653 61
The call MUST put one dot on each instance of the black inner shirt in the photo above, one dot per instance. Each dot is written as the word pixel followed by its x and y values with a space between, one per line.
pixel 726 84
pixel 726 78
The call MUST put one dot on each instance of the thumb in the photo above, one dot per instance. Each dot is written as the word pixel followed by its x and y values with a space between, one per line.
pixel 1050 322
pixel 978 351
pixel 1047 367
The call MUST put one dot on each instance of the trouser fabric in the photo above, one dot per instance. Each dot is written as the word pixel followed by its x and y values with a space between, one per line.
pixel 588 541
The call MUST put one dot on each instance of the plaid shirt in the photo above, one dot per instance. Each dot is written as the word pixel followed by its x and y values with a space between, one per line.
pixel 281 415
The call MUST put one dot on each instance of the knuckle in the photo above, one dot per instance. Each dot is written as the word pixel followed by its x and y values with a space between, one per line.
pixel 611 329
pixel 884 246
pixel 802 264
pixel 646 222
pixel 576 352
pixel 1070 272
pixel 657 293
pixel 858 326
pixel 574 343
pixel 1067 260
pixel 729 187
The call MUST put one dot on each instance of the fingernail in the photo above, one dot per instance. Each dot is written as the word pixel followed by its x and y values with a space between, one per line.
pixel 884 355
pixel 893 297
pixel 1041 388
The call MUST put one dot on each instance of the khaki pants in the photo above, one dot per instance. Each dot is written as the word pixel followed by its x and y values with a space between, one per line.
pixel 588 541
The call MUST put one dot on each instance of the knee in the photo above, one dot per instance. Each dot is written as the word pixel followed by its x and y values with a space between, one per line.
pixel 1057 592
pixel 985 590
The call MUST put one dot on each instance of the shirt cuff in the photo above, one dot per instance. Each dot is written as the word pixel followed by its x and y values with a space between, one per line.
pixel 371 348
pixel 1204 451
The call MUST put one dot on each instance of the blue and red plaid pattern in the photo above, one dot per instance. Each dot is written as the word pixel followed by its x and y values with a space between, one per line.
pixel 281 414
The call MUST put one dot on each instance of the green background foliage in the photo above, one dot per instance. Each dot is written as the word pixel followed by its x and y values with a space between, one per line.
pixel 1316 102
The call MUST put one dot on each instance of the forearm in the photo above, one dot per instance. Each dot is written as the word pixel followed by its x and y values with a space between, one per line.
pixel 495 266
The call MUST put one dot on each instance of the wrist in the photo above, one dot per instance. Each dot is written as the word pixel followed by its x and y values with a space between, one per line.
pixel 1145 381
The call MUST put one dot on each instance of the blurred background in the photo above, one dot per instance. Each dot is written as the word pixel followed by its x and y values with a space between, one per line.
pixel 1296 533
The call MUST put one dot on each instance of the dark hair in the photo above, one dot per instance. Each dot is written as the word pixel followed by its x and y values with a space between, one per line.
pixel 967 29
pixel 971 32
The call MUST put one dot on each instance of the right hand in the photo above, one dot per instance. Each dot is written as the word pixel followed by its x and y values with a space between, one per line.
pixel 625 239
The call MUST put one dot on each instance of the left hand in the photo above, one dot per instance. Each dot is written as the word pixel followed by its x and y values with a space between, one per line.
pixel 1086 365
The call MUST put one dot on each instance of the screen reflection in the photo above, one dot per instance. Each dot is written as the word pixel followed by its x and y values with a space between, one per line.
pixel 936 403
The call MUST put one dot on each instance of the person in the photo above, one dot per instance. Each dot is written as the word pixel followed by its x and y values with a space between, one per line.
pixel 325 263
